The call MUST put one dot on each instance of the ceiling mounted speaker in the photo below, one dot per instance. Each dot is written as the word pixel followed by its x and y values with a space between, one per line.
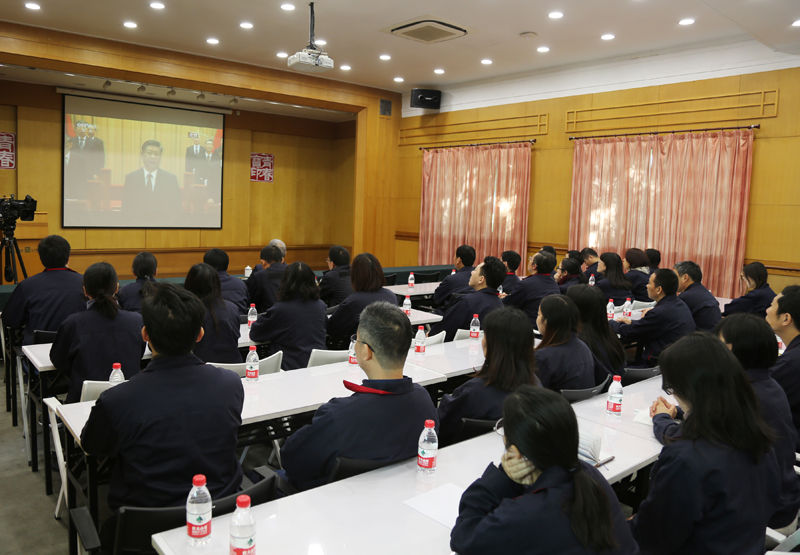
pixel 426 98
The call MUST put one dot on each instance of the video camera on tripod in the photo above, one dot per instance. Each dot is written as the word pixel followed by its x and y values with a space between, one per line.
pixel 11 210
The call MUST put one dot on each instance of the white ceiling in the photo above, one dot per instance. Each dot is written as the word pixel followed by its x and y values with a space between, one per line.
pixel 352 29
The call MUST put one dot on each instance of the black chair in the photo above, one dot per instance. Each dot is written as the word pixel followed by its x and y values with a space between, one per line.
pixel 470 428
pixel 574 395
pixel 426 278
pixel 40 337
pixel 391 279
pixel 633 375
pixel 347 468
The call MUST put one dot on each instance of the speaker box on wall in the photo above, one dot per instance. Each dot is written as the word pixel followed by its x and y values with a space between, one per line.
pixel 426 98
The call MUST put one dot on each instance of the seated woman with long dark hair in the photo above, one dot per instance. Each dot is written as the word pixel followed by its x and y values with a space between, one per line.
pixel 569 273
pixel 636 266
pixel 508 348
pixel 220 341
pixel 613 284
pixel 295 324
pixel 89 343
pixel 562 360
pixel 593 328
pixel 759 294
pixel 717 482
pixel 145 267
pixel 542 498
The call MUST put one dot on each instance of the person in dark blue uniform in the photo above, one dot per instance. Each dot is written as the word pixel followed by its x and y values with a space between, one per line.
pixel 458 282
pixel 531 290
pixel 542 498
pixel 662 325
pixel 759 294
pixel 717 484
pixel 45 300
pixel 594 329
pixel 263 286
pixel 591 259
pixel 233 289
pixel 220 341
pixel 568 274
pixel 562 360
pixel 508 348
pixel 512 260
pixel 88 343
pixel 145 267
pixel 551 250
pixel 613 284
pixel 334 287
pixel 783 316
pixel 369 285
pixel 576 256
pixel 702 304
pixel 381 421
pixel 145 422
pixel 637 269
pixel 484 279
pixel 296 323
pixel 654 257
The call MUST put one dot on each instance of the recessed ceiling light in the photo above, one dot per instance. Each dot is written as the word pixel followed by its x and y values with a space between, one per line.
pixel 543 49
pixel 686 22
pixel 556 15
pixel 282 55
pixel 439 71
pixel 32 6
pixel 607 37
pixel 246 25
pixel 321 42
pixel 398 79
pixel 157 5
pixel 385 57
pixel 796 23
pixel 287 7
pixel 130 25
pixel 345 68
pixel 212 41
pixel 486 62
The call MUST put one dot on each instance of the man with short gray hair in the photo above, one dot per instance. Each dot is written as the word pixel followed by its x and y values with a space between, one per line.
pixel 702 304
pixel 380 421
pixel 282 246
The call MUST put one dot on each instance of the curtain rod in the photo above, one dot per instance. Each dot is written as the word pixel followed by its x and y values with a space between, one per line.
pixel 532 141
pixel 756 126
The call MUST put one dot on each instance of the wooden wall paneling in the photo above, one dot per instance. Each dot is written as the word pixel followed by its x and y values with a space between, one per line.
pixel 693 89
pixel 778 282
pixel 343 202
pixel 787 81
pixel 102 238
pixel 406 253
pixel 775 173
pixel 8 124
pixel 363 122
pixel 172 238
pixel 630 96
pixel 773 233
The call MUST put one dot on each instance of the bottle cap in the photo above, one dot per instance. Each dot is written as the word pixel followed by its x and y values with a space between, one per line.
pixel 116 366
pixel 430 424
pixel 243 501
pixel 411 273
pixel 252 305
pixel 421 328
pixel 628 299
pixel 199 481
pixel 252 347
pixel 474 315
pixel 611 300
pixel 617 378
pixel 408 296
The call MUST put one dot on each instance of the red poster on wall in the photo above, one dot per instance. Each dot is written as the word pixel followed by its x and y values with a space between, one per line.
pixel 262 166
pixel 8 151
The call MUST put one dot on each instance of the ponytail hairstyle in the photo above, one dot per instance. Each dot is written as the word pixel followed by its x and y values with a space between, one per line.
pixel 100 282
pixel 144 267
pixel 203 281
pixel 562 319
pixel 543 427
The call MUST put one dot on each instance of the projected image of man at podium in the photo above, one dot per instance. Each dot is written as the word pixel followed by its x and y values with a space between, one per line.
pixel 150 193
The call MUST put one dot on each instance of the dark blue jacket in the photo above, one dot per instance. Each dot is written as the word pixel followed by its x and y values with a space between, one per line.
pixel 787 373
pixel 568 366
pixel 569 282
pixel 602 356
pixel 454 283
pixel 708 499
pixel 703 306
pixel 609 292
pixel 176 418
pixel 498 515
pixel 335 286
pixel 529 293
pixel 662 326
pixel 43 301
pixel 511 281
pixel 366 425
pixel 459 315
pixel 756 301
pixel 263 286
pixel 88 344
pixel 220 344
pixel 234 290
pixel 344 322
pixel 294 327
pixel 130 297
pixel 639 283
pixel 593 270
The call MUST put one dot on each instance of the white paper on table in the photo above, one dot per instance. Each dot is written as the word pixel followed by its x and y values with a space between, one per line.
pixel 440 504
pixel 643 417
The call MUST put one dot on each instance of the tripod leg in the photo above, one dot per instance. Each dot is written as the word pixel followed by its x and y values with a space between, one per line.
pixel 10 253
pixel 19 255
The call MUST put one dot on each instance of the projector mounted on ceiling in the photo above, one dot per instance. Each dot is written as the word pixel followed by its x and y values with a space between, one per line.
pixel 311 59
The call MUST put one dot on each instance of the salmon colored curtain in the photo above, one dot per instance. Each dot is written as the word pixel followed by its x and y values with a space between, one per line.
pixel 476 195
pixel 683 194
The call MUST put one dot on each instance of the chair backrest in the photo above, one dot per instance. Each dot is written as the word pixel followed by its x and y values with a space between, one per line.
pixel 91 390
pixel 426 278
pixel 470 428
pixel 346 468
pixel 638 305
pixel 436 339
pixel 633 375
pixel 574 395
pixel 331 309
pixel 41 336
pixel 461 334
pixel 238 367
pixel 271 364
pixel 391 279
pixel 319 357
pixel 136 525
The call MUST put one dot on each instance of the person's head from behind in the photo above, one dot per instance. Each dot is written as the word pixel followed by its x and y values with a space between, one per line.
pixel 100 284
pixel 145 265
pixel 209 146
pixel 270 255
pixel 203 281
pixel 490 273
pixel 688 272
pixel 542 263
pixel 366 273
pixel 557 320
pixel 783 315
pixel 151 155
pixel 511 259
pixel 173 320
pixel 589 256
pixel 654 257
pixel 508 348
pixel 338 256
pixel 54 252
pixel 755 275
pixel 465 256
pixel 577 256
pixel 281 245
pixel 382 341
pixel 635 258
pixel 298 283
pixel 548 248
pixel 750 339
pixel 217 259
pixel 709 383
pixel 591 305
pixel 662 282
pixel 541 426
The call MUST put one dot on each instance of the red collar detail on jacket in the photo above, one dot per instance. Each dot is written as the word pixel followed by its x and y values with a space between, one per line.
pixel 362 389
pixel 54 269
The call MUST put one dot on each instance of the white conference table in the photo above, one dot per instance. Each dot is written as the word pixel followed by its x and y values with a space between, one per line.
pixel 454 358
pixel 419 289
pixel 422 317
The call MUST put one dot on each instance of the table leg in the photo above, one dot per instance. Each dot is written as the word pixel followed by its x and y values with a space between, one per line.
pixel 9 386
pixel 14 420
pixel 48 470
pixel 91 487
pixel 71 494
pixel 33 431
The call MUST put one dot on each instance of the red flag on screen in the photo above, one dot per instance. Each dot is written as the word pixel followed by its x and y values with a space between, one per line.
pixel 70 129
pixel 218 139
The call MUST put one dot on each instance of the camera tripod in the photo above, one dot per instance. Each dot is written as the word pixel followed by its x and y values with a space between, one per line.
pixel 10 247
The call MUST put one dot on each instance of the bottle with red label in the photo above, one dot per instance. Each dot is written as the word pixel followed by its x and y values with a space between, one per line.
pixel 198 512
pixel 428 446
pixel 474 328
pixel 614 402
pixel 251 365
pixel 419 341
pixel 252 316
pixel 610 309
pixel 591 280
pixel 411 280
pixel 627 308
pixel 453 272
pixel 243 528
pixel 116 377
pixel 351 353
pixel 407 306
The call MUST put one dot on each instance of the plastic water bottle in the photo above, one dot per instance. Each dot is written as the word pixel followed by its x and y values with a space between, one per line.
pixel 247 271
pixel 614 402
pixel 428 445
pixel 420 340
pixel 198 512
pixel 500 290
pixel 117 377
pixel 251 365
pixel 474 328
pixel 407 306
pixel 626 308
pixel 351 353
pixel 591 279
pixel 252 316
pixel 243 528
pixel 453 271
pixel 610 309
pixel 411 280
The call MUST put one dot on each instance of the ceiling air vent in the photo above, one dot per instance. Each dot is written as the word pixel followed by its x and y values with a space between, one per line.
pixel 428 30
